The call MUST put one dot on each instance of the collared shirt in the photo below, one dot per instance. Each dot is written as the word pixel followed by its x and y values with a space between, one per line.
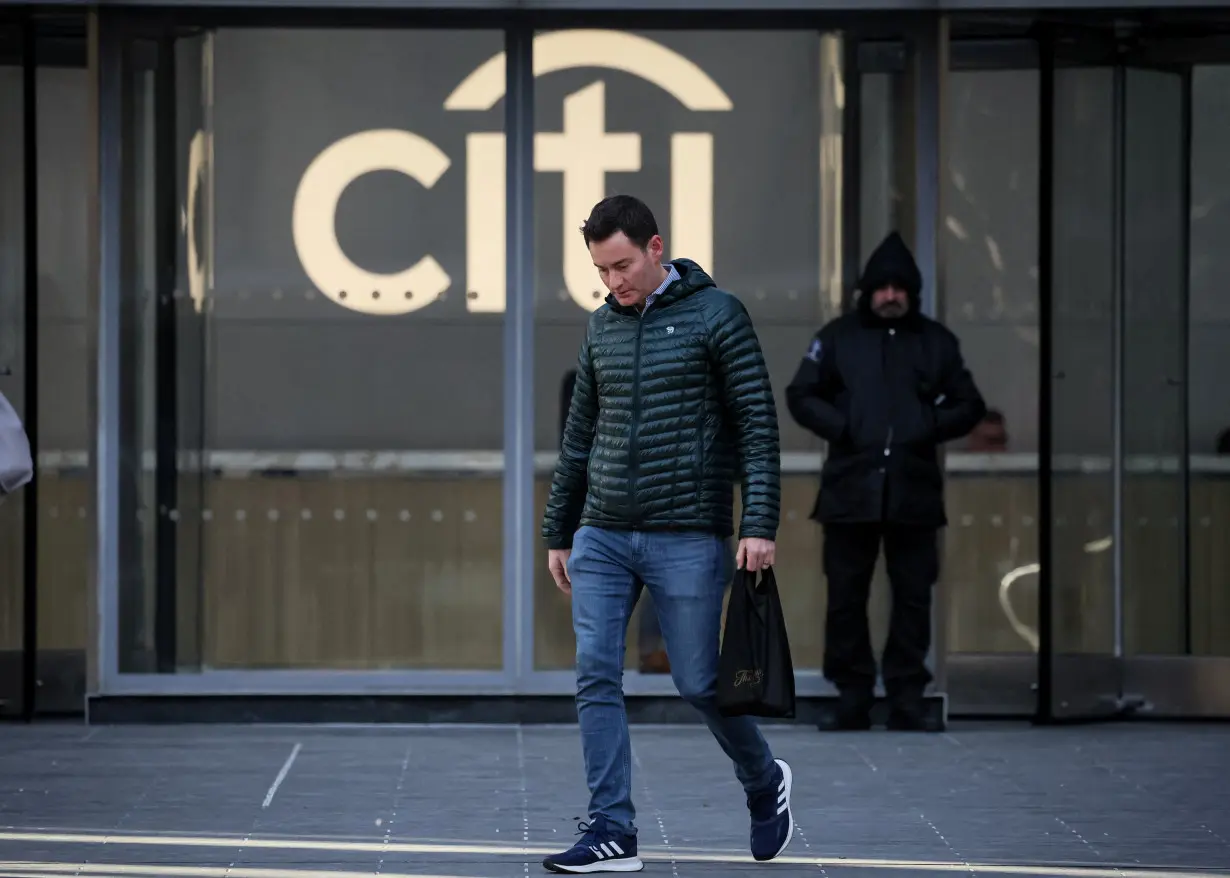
pixel 672 275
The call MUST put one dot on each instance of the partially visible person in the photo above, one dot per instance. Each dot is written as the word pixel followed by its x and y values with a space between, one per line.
pixel 990 435
pixel 672 406
pixel 884 385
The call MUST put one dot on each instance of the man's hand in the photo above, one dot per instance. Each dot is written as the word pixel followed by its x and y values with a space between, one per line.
pixel 755 554
pixel 557 563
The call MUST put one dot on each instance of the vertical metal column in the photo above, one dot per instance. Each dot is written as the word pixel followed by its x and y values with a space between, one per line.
pixel 929 65
pixel 105 338
pixel 1118 307
pixel 29 101
pixel 519 526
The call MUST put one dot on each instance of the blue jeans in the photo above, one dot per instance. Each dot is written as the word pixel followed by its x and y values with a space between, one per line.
pixel 686 574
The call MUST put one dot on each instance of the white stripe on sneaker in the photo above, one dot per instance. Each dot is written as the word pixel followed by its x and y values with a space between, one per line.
pixel 618 850
pixel 787 786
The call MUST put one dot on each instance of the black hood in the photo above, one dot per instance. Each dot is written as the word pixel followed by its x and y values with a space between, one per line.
pixel 891 263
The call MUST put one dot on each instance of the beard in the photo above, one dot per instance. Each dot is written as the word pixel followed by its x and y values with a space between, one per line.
pixel 890 310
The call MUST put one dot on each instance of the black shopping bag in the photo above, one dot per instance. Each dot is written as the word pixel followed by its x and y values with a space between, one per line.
pixel 755 673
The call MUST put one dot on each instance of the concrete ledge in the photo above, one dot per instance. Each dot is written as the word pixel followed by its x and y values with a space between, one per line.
pixel 529 710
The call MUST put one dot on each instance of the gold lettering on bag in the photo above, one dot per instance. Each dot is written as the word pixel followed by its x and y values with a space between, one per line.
pixel 748 678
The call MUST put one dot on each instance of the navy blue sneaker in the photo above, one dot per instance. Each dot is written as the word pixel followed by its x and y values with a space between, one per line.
pixel 772 822
pixel 601 849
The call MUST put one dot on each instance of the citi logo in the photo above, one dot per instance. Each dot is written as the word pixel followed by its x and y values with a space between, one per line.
pixel 584 152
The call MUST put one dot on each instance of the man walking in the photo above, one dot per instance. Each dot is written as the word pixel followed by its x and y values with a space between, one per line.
pixel 884 385
pixel 672 404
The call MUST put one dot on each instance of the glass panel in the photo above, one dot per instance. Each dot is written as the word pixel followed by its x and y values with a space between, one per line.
pixel 12 352
pixel 353 353
pixel 65 508
pixel 760 214
pixel 1209 363
pixel 991 303
pixel 1083 391
pixel 1154 591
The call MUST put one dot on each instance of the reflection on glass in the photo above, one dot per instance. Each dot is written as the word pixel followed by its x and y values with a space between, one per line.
pixel 1208 363
pixel 678 120
pixel 339 356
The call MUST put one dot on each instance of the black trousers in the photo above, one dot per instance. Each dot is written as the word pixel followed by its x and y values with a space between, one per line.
pixel 911 555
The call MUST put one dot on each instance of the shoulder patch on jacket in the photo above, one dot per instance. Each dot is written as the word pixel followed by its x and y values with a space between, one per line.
pixel 814 350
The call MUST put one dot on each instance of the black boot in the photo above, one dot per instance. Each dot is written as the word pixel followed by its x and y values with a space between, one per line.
pixel 854 710
pixel 907 711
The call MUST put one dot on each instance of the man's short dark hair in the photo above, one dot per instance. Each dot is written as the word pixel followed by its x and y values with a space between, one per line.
pixel 620 213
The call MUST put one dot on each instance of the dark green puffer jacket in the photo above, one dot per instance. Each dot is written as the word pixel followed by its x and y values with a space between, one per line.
pixel 669 410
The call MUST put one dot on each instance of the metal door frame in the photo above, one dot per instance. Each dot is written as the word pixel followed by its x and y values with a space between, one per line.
pixel 1149 685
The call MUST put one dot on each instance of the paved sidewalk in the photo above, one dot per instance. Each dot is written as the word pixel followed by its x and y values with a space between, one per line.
pixel 1121 801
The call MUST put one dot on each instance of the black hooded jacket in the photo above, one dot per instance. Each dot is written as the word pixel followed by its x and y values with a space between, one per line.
pixel 884 394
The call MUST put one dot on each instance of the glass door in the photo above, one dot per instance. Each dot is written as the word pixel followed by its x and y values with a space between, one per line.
pixel 1113 275
pixel 1079 488
pixel 16 652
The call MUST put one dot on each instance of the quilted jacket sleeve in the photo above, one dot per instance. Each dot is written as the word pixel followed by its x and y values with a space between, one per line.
pixel 567 497
pixel 749 399
pixel 960 406
pixel 811 394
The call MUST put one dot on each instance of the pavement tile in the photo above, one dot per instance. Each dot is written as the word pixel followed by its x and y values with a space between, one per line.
pixel 998 799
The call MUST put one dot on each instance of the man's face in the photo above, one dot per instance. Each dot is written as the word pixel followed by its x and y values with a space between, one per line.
pixel 629 272
pixel 890 302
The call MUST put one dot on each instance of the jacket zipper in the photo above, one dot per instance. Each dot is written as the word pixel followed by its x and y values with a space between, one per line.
pixel 634 452
pixel 884 358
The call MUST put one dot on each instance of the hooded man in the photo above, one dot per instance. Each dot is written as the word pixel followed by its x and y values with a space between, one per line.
pixel 883 385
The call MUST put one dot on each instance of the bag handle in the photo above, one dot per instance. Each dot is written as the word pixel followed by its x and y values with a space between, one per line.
pixel 754 586
pixel 757 584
